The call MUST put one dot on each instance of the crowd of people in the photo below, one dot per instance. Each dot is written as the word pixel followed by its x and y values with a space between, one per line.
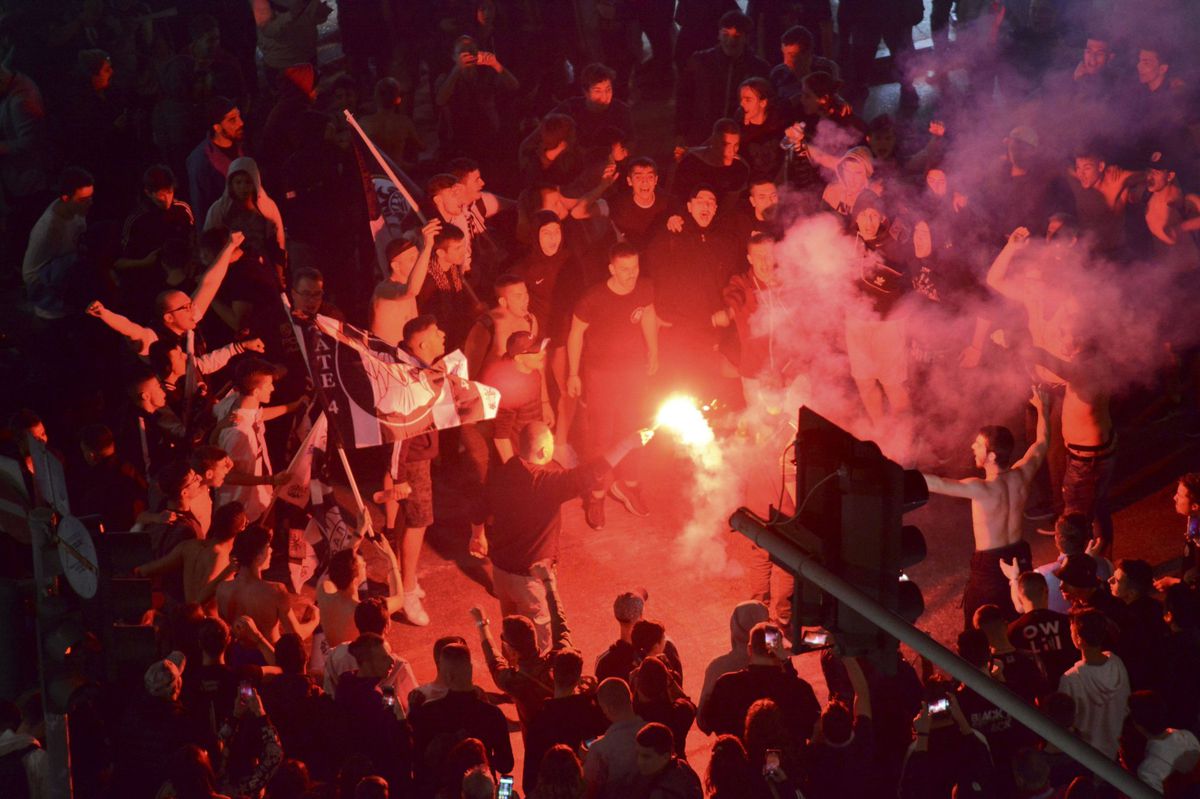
pixel 184 192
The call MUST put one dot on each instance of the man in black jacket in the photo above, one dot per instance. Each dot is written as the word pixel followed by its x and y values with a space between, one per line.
pixel 708 87
pixel 769 675
pixel 525 497
pixel 440 724
pixel 690 269
pixel 372 721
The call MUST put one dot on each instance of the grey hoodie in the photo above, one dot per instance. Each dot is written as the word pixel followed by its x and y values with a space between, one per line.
pixel 741 621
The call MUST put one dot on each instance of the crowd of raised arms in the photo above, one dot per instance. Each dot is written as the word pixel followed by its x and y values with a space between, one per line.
pixel 615 200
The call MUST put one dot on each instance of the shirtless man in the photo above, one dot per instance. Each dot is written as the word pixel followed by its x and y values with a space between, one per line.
pixel 267 603
pixel 1087 431
pixel 205 563
pixel 337 597
pixel 395 299
pixel 1051 311
pixel 997 503
pixel 488 338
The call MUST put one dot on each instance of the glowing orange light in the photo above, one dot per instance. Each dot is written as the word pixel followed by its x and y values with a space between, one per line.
pixel 682 416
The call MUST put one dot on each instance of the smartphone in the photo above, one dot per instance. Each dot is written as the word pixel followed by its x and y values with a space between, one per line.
pixel 815 637
pixel 772 638
pixel 389 696
pixel 505 788
pixel 245 690
pixel 939 706
pixel 772 764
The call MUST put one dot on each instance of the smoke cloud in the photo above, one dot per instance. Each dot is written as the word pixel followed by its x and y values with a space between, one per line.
pixel 1120 303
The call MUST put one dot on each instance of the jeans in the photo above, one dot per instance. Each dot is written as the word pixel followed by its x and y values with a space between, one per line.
pixel 772 586
pixel 1085 490
pixel 1046 489
pixel 522 595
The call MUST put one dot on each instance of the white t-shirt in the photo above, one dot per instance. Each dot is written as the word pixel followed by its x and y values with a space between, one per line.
pixel 1179 751
pixel 52 236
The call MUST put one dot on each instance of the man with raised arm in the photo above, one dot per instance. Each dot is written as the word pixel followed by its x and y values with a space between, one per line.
pixel 997 508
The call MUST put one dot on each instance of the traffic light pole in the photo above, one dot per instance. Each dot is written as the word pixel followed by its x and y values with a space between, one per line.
pixel 793 557
pixel 46 567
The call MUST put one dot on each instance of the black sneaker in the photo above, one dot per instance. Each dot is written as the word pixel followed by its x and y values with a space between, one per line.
pixel 630 496
pixel 593 511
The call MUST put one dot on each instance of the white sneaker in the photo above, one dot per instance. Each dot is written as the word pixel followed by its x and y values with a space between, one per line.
pixel 414 613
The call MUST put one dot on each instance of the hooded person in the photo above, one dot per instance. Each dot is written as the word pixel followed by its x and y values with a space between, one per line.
pixel 1098 683
pixel 741 621
pixel 853 171
pixel 246 207
pixel 553 277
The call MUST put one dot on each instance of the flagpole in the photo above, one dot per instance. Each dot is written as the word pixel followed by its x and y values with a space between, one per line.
pixel 383 163
pixel 334 434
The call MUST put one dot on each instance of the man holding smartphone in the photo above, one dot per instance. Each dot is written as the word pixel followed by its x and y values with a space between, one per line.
pixel 769 675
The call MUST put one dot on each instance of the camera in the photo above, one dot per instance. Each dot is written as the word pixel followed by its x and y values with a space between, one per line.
pixel 772 638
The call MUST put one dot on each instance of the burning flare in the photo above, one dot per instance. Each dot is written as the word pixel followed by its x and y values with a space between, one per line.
pixel 682 416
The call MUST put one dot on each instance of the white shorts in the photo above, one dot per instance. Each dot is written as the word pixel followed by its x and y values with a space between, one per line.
pixel 878 350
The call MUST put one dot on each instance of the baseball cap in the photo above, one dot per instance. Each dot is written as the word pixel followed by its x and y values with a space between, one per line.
pixel 629 606
pixel 164 677
pixel 1078 571
pixel 1160 161
pixel 1024 133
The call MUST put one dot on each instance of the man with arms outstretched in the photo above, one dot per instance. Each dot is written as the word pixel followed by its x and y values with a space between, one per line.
pixel 997 507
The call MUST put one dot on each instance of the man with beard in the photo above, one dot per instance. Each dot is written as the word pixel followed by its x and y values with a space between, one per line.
pixel 690 268
pixel 708 87
pixel 209 162
pixel 997 502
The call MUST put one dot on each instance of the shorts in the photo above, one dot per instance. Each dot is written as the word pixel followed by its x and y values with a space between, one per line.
pixel 878 350
pixel 417 509
pixel 987 585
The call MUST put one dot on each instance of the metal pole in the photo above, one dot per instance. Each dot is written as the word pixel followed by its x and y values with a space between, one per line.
pixel 45 567
pixel 792 556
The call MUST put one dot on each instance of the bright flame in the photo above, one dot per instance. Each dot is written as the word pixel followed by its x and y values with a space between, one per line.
pixel 682 416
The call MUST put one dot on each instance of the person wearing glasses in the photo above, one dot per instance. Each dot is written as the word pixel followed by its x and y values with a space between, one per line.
pixel 179 316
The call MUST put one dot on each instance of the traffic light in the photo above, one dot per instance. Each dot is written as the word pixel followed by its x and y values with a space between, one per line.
pixel 850 506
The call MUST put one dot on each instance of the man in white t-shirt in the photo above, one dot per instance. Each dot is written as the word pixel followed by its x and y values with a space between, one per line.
pixel 55 235
pixel 1168 751
pixel 1098 683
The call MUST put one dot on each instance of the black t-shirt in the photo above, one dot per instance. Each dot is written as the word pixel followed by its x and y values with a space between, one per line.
pixel 638 224
pixel 1046 634
pixel 613 339
pixel 1022 674
pixel 838 771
